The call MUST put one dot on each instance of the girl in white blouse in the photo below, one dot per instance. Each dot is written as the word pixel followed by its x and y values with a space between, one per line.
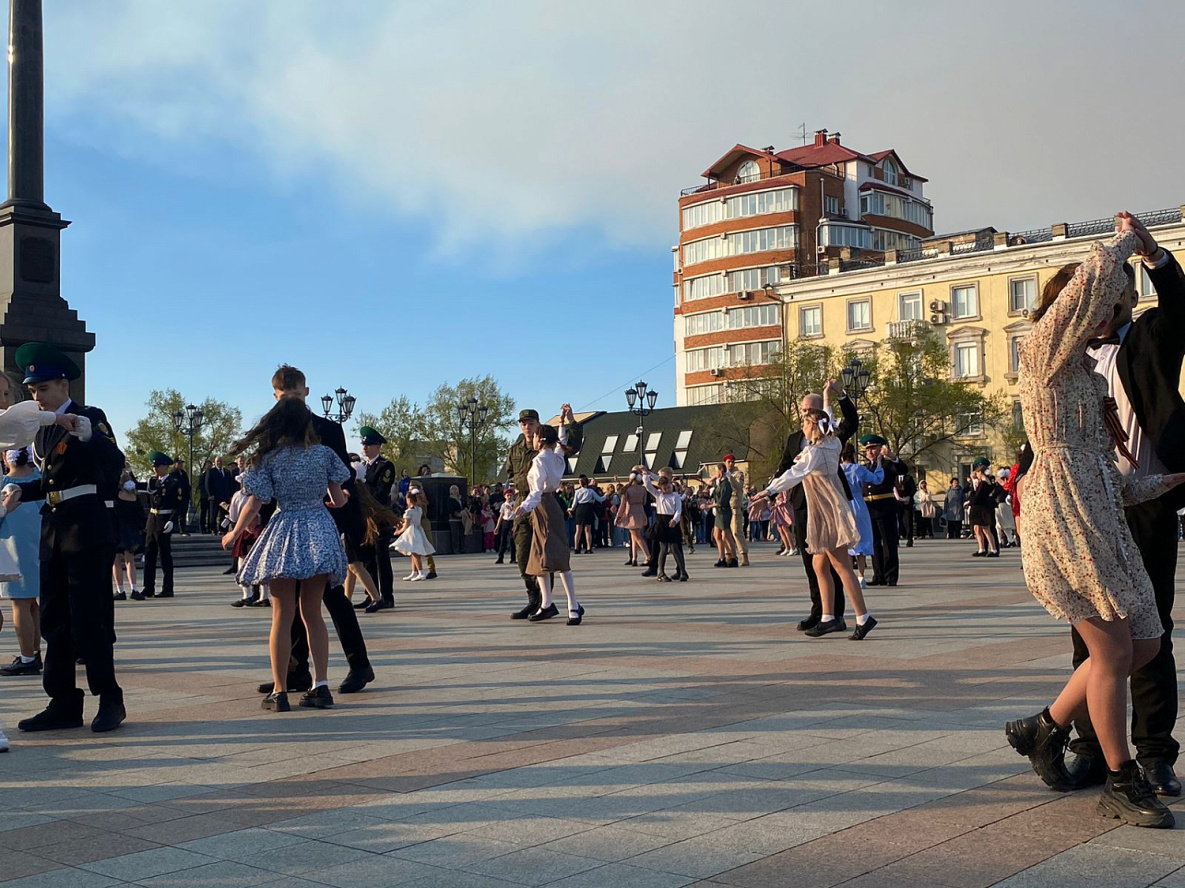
pixel 668 508
pixel 550 552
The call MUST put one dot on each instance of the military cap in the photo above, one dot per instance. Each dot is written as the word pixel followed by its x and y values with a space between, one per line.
pixel 42 362
pixel 981 462
pixel 871 440
pixel 370 436
pixel 159 459
pixel 524 415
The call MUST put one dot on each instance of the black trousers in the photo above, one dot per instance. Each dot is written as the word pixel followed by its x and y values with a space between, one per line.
pixel 162 543
pixel 78 620
pixel 954 529
pixel 1154 688
pixel 345 623
pixel 379 566
pixel 456 532
pixel 522 551
pixel 885 564
pixel 204 515
pixel 808 562
pixel 506 541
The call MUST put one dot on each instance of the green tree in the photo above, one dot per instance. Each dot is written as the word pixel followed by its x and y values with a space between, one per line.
pixel 221 425
pixel 401 424
pixel 444 434
pixel 913 401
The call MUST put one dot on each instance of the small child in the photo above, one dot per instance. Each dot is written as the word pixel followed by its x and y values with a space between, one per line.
pixel 487 527
pixel 668 507
pixel 258 595
pixel 412 540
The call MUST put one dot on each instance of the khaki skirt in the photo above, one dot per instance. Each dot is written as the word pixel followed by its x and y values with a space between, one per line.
pixel 550 551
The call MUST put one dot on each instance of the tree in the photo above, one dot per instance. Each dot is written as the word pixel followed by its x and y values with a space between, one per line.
pixel 221 426
pixel 445 436
pixel 401 424
pixel 913 401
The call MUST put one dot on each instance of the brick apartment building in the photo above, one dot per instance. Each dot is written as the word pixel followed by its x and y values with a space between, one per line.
pixel 765 218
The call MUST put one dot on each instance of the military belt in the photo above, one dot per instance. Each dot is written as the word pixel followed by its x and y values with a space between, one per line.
pixel 57 497
pixel 161 511
pixel 879 496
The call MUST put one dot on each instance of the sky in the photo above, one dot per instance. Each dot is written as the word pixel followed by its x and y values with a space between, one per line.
pixel 394 195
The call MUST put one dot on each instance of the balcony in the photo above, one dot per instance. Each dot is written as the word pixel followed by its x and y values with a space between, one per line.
pixel 905 329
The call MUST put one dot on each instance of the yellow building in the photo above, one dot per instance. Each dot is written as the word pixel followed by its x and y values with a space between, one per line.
pixel 976 287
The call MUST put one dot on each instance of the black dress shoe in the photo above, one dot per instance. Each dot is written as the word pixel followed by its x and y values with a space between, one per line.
pixel 721 563
pixel 822 628
pixel 993 554
pixel 978 554
pixel 111 714
pixel 575 620
pixel 523 614
pixel 649 572
pixel 809 623
pixel 160 594
pixel 380 605
pixel 1087 770
pixel 230 570
pixel 682 577
pixel 297 683
pixel 242 602
pixel 431 575
pixel 20 667
pixel 260 602
pixel 317 698
pixel 137 596
pixel 734 563
pixel 276 702
pixel 120 596
pixel 499 561
pixel 875 582
pixel 356 680
pixel 1044 742
pixel 1129 798
pixel 1162 777
pixel 363 604
pixel 546 614
pixel 59 715
pixel 663 578
pixel 862 629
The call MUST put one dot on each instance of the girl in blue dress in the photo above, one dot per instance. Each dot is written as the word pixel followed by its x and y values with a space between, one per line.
pixel 858 476
pixel 20 537
pixel 300 551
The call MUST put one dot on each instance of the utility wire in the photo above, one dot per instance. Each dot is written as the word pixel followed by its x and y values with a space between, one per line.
pixel 630 381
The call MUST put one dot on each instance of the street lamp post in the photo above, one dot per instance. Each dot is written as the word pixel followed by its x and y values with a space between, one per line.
pixel 188 422
pixel 641 404
pixel 345 406
pixel 473 416
pixel 856 380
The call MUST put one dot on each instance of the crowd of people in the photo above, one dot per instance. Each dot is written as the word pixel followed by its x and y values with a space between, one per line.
pixel 1097 495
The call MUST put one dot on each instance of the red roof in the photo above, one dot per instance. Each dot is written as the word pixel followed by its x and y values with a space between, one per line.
pixel 881 155
pixel 731 155
pixel 810 156
pixel 873 184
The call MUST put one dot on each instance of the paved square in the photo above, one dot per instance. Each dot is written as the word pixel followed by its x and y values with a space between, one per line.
pixel 685 734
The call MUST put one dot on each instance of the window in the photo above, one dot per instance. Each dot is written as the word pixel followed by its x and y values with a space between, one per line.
pixel 1014 353
pixel 683 441
pixel 703 250
pixel 703 287
pixel 753 278
pixel 896 206
pixel 754 316
pixel 755 240
pixel 701 214
pixel 652 440
pixel 969 422
pixel 1147 291
pixel 703 359
pixel 831 205
pixel 755 203
pixel 964 301
pixel 909 306
pixel 747 353
pixel 832 234
pixel 607 451
pixel 1022 294
pixel 859 315
pixel 749 172
pixel 966 363
pixel 810 320
pixel 889 170
pixel 704 394
pixel 708 322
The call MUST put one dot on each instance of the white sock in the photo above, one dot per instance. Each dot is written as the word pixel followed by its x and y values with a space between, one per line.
pixel 246 592
pixel 545 589
pixel 826 618
pixel 25 659
pixel 861 620
pixel 321 684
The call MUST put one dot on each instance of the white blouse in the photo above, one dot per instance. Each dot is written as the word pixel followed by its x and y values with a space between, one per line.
pixel 544 476
pixel 810 460
pixel 665 504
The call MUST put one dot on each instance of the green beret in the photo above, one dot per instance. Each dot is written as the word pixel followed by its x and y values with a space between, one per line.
pixel 370 436
pixel 524 415
pixel 159 459
pixel 42 362
pixel 870 439
pixel 981 462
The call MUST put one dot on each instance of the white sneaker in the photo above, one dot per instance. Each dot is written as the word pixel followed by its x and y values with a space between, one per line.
pixel 410 576
pixel 3 740
pixel 419 576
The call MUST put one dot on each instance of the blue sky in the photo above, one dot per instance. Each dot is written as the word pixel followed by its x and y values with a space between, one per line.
pixel 395 195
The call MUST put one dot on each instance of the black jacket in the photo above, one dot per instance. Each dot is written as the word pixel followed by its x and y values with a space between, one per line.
pixel 1149 366
pixel 380 476
pixel 844 430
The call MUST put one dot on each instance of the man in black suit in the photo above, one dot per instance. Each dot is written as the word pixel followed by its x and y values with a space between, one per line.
pixel 219 492
pixel 379 479
pixel 290 382
pixel 80 465
pixel 1141 362
pixel 883 509
pixel 794 444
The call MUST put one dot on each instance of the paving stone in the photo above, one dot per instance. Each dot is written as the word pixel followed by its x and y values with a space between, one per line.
pixel 1086 866
pixel 68 877
pixel 146 864
pixel 1169 842
pixel 533 866
pixel 620 875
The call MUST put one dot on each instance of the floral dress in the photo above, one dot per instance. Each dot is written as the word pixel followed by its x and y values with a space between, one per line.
pixel 300 540
pixel 1079 558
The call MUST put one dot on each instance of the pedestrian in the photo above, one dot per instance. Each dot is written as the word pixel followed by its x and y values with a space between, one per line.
pixel 259 594
pixel 585 500
pixel 165 500
pixel 631 517
pixel 412 540
pixel 379 477
pixel 129 521
pixel 981 509
pixel 549 553
pixel 1080 560
pixel 952 509
pixel 299 552
pixel 502 527
pixel 925 509
pixel 20 534
pixel 858 476
pixel 218 495
pixel 739 506
pixel 726 546
pixel 80 468
pixel 182 518
pixel 881 499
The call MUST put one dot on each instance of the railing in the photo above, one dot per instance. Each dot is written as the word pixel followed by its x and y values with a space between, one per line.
pixel 977 246
pixel 904 329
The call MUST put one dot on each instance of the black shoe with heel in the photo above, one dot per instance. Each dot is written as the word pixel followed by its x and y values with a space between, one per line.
pixel 1129 798
pixel 545 614
pixel 1044 742
pixel 575 620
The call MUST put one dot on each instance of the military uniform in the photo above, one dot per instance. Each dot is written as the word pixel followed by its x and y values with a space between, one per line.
pixel 737 478
pixel 166 500
pixel 380 477
pixel 80 472
pixel 884 511
pixel 518 464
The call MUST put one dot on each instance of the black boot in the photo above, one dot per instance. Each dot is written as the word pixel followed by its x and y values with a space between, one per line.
pixel 61 713
pixel 1041 739
pixel 1128 797
pixel 111 713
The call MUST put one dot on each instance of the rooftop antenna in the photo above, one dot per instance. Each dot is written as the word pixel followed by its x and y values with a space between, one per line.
pixel 802 132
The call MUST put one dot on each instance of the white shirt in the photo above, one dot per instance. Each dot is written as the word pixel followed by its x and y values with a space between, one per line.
pixel 1147 463
pixel 810 460
pixel 544 476
pixel 669 505
pixel 506 510
pixel 586 495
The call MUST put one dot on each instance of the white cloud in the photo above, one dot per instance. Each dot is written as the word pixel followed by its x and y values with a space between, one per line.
pixel 509 122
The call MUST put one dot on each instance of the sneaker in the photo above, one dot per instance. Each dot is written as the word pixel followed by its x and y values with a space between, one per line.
pixel 318 698
pixel 3 740
pixel 1128 797
pixel 20 667
pixel 411 576
pixel 418 577
pixel 1044 742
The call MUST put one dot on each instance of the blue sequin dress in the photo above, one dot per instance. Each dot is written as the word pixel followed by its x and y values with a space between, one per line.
pixel 300 540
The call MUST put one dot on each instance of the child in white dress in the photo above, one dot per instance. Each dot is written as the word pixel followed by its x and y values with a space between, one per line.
pixel 412 540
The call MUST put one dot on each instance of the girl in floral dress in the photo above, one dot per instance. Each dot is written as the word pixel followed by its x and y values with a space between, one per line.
pixel 1079 558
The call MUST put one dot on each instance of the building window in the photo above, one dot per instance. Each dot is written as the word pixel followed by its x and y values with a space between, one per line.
pixel 704 359
pixel 1014 353
pixel 969 422
pixel 810 320
pixel 703 287
pixel 1022 294
pixel 889 170
pixel 749 172
pixel 652 441
pixel 755 240
pixel 702 394
pixel 832 234
pixel 754 316
pixel 753 353
pixel 631 444
pixel 964 301
pixel 859 315
pixel 607 451
pixel 707 322
pixel 966 360
pixel 909 306
pixel 896 206
pixel 831 205
pixel 752 278
pixel 1147 291
pixel 755 203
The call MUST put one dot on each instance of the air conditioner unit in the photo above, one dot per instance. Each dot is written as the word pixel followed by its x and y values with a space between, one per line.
pixel 938 318
pixel 716 371
pixel 937 305
pixel 745 294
